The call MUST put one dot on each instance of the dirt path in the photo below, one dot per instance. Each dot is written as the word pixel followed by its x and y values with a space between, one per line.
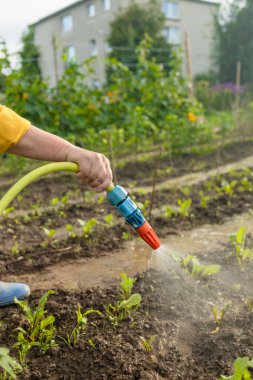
pixel 134 258
pixel 195 178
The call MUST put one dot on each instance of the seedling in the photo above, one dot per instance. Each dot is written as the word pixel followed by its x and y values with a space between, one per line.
pixel 126 286
pixel 219 315
pixel 54 201
pixel 184 207
pixel 249 304
pixel 228 187
pixel 126 305
pixel 239 242
pixel 101 199
pixel 126 236
pixel 49 237
pixel 87 226
pixel 197 270
pixel 70 230
pixel 147 343
pixel 241 370
pixel 169 212
pixel 15 249
pixel 245 185
pixel 121 309
pixel 40 331
pixel 204 199
pixel 143 206
pixel 80 328
pixel 109 219
pixel 8 364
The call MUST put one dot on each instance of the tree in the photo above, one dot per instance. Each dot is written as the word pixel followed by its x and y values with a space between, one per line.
pixel 234 31
pixel 129 29
pixel 29 54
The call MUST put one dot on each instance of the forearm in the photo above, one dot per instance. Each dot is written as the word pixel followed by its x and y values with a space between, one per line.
pixel 94 168
pixel 40 145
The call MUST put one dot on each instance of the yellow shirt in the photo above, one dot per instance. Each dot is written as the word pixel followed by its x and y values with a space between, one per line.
pixel 12 128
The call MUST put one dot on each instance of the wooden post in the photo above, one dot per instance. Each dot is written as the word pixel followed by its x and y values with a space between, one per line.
pixel 56 71
pixel 112 157
pixel 152 198
pixel 237 94
pixel 188 64
pixel 238 85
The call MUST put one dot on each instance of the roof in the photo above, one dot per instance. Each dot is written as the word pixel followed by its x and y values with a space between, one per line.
pixel 60 11
pixel 77 3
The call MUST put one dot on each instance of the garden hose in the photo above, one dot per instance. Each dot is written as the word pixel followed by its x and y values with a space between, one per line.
pixel 117 196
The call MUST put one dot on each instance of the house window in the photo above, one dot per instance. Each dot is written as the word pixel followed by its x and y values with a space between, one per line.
pixel 71 53
pixel 108 48
pixel 172 35
pixel 106 5
pixel 170 9
pixel 91 10
pixel 93 48
pixel 67 23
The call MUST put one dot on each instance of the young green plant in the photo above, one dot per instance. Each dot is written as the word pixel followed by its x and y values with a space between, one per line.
pixel 40 331
pixel 9 365
pixel 219 315
pixel 195 269
pixel 239 242
pixel 80 328
pixel 241 370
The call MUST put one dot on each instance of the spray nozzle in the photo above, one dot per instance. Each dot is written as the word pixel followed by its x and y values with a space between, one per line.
pixel 127 208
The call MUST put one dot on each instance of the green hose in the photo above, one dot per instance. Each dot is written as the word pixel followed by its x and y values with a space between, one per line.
pixel 32 176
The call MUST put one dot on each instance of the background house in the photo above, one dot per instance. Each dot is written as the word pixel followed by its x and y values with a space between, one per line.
pixel 81 30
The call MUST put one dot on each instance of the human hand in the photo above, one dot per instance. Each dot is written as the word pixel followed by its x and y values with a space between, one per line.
pixel 94 168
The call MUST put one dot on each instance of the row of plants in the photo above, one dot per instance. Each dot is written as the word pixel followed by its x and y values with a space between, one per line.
pixel 134 110
pixel 39 330
pixel 39 327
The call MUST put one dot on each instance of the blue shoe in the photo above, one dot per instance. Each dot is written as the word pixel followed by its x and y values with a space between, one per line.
pixel 10 290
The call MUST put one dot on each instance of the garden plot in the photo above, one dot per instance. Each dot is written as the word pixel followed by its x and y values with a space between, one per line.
pixel 194 317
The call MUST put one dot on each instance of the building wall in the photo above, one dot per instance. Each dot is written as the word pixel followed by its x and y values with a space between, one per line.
pixel 195 17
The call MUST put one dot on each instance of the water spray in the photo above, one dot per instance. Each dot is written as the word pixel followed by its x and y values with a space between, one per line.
pixel 117 196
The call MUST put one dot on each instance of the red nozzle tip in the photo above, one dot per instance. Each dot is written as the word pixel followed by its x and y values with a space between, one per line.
pixel 147 233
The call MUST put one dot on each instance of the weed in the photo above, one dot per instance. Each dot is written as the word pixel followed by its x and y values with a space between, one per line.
pixel 195 269
pixel 184 207
pixel 40 331
pixel 219 315
pixel 8 364
pixel 147 343
pixel 239 242
pixel 80 328
pixel 241 370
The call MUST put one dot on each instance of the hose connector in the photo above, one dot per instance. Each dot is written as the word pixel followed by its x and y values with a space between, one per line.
pixel 119 198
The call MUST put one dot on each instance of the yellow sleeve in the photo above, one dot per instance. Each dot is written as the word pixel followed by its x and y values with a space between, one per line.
pixel 12 128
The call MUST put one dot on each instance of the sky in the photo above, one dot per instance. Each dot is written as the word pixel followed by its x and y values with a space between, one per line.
pixel 16 15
